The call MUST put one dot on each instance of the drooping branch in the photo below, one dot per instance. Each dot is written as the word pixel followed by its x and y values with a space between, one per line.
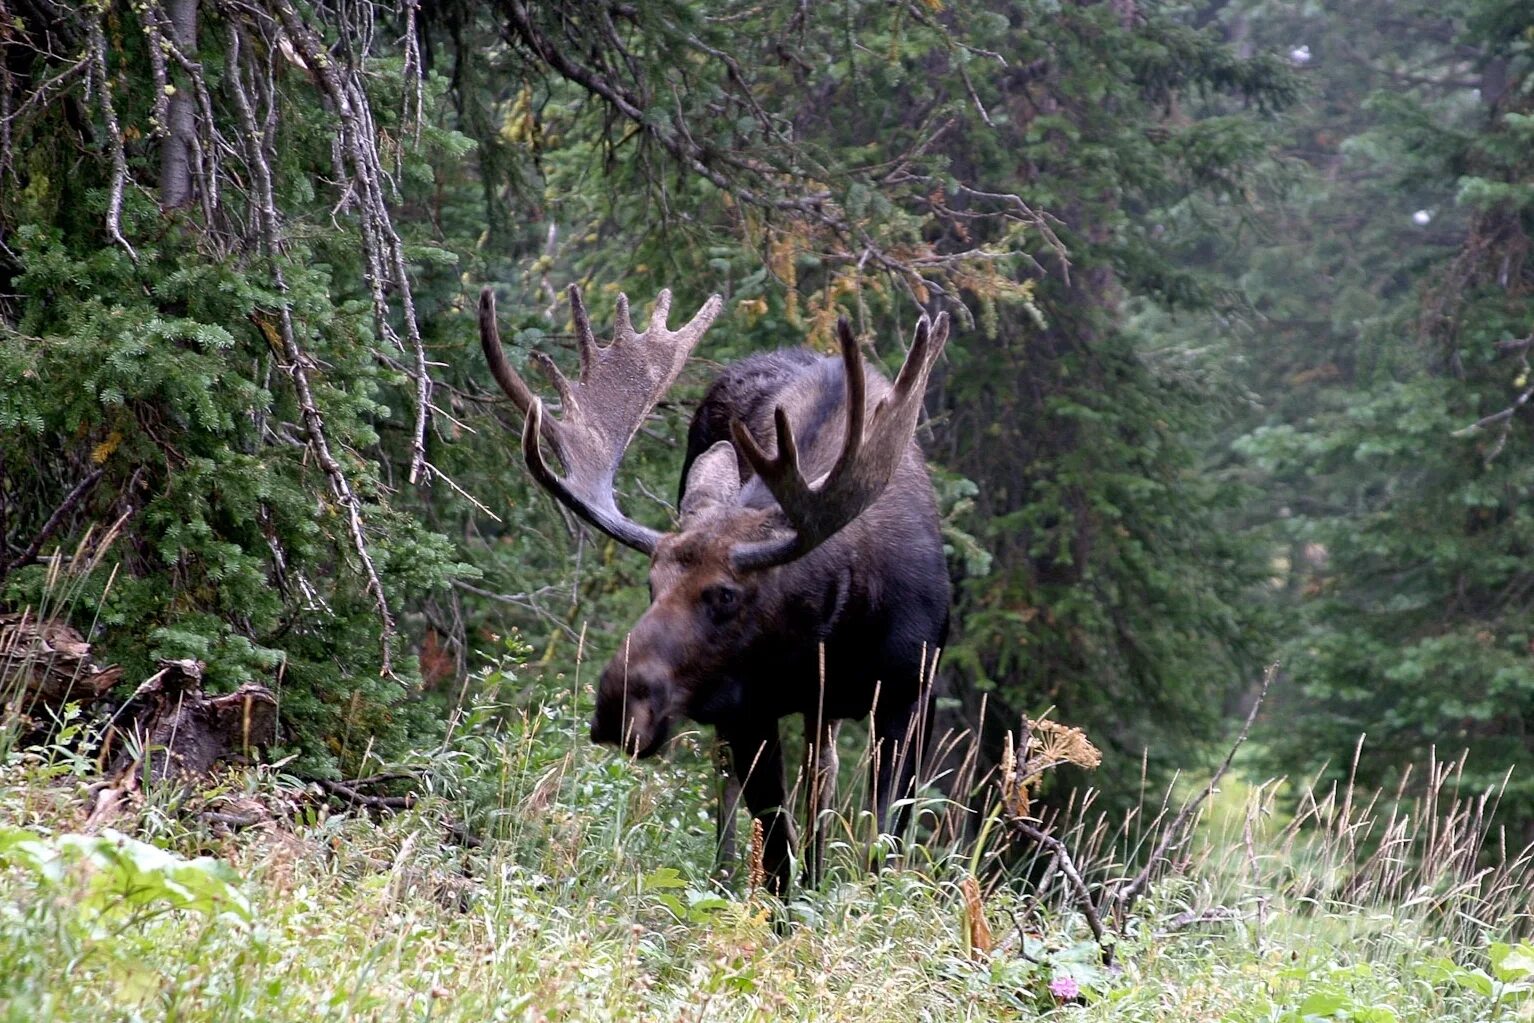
pixel 101 82
pixel 295 362
pixel 413 106
pixel 782 179
pixel 385 253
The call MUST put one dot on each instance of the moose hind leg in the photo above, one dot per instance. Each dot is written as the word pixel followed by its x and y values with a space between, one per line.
pixel 757 756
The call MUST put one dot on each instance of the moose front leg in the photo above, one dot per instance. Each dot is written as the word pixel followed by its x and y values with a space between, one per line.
pixel 821 765
pixel 899 743
pixel 726 803
pixel 757 756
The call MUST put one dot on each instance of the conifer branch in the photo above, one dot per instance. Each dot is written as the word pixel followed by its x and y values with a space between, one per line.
pixel 1505 416
pixel 759 177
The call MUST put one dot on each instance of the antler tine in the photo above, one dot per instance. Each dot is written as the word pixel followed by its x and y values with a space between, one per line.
pixel 551 373
pixel 623 327
pixel 490 340
pixel 857 390
pixel 918 364
pixel 601 413
pixel 659 313
pixel 868 458
pixel 585 340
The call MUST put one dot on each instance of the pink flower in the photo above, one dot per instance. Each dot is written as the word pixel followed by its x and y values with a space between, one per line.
pixel 1065 988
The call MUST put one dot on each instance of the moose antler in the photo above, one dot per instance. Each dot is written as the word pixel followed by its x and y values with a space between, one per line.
pixel 601 412
pixel 867 461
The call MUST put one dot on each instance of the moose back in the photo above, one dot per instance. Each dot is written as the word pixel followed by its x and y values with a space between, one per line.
pixel 806 575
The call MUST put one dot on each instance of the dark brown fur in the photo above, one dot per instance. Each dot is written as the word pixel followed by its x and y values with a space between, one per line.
pixel 739 650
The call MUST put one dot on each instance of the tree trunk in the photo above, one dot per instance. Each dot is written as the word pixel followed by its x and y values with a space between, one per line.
pixel 176 151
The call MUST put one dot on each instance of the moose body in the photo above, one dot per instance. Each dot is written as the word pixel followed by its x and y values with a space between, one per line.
pixel 776 595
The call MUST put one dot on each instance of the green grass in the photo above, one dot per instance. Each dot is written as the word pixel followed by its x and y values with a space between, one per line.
pixel 590 898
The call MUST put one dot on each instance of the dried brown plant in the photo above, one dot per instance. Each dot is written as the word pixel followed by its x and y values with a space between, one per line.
pixel 1046 745
pixel 758 875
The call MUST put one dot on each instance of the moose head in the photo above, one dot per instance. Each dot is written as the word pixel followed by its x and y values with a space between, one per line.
pixel 724 583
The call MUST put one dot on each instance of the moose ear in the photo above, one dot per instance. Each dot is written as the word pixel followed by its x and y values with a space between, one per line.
pixel 713 479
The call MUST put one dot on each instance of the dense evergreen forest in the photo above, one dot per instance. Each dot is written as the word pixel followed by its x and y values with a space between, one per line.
pixel 1242 295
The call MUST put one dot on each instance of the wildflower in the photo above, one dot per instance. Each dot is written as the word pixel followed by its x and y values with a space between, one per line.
pixel 1065 989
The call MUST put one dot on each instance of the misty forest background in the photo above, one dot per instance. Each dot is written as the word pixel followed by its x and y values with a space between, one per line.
pixel 1240 373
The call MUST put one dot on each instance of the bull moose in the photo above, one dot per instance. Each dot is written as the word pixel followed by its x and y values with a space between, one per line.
pixel 807 574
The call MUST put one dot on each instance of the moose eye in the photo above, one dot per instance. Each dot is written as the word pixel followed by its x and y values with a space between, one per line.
pixel 722 601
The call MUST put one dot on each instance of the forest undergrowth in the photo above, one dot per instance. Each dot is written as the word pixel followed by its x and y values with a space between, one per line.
pixel 533 876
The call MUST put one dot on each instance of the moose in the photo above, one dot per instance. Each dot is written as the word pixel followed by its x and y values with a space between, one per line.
pixel 807 573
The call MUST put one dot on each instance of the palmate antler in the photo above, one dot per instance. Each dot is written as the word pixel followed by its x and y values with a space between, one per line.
pixel 601 412
pixel 868 459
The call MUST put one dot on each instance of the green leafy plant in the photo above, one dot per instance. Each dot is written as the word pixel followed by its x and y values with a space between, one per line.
pixel 111 874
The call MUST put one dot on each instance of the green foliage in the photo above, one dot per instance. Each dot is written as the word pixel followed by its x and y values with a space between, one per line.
pixel 112 874
pixel 1250 338
pixel 1115 595
pixel 1098 577
pixel 214 532
pixel 1396 301
pixel 1508 983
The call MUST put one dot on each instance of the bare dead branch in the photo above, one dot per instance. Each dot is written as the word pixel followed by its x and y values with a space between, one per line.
pixel 527 601
pixel 101 82
pixel 1182 921
pixel 350 795
pixel 382 246
pixel 73 498
pixel 1067 865
pixel 414 102
pixel 1177 832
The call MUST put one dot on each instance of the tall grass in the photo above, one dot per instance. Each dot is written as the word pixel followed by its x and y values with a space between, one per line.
pixel 540 878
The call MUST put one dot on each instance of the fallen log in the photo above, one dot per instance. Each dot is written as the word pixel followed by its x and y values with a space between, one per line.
pixel 45 666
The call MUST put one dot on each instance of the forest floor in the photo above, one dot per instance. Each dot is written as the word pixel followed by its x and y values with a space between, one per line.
pixel 589 899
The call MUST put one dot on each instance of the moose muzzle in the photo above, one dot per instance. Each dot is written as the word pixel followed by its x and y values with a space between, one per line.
pixel 633 710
